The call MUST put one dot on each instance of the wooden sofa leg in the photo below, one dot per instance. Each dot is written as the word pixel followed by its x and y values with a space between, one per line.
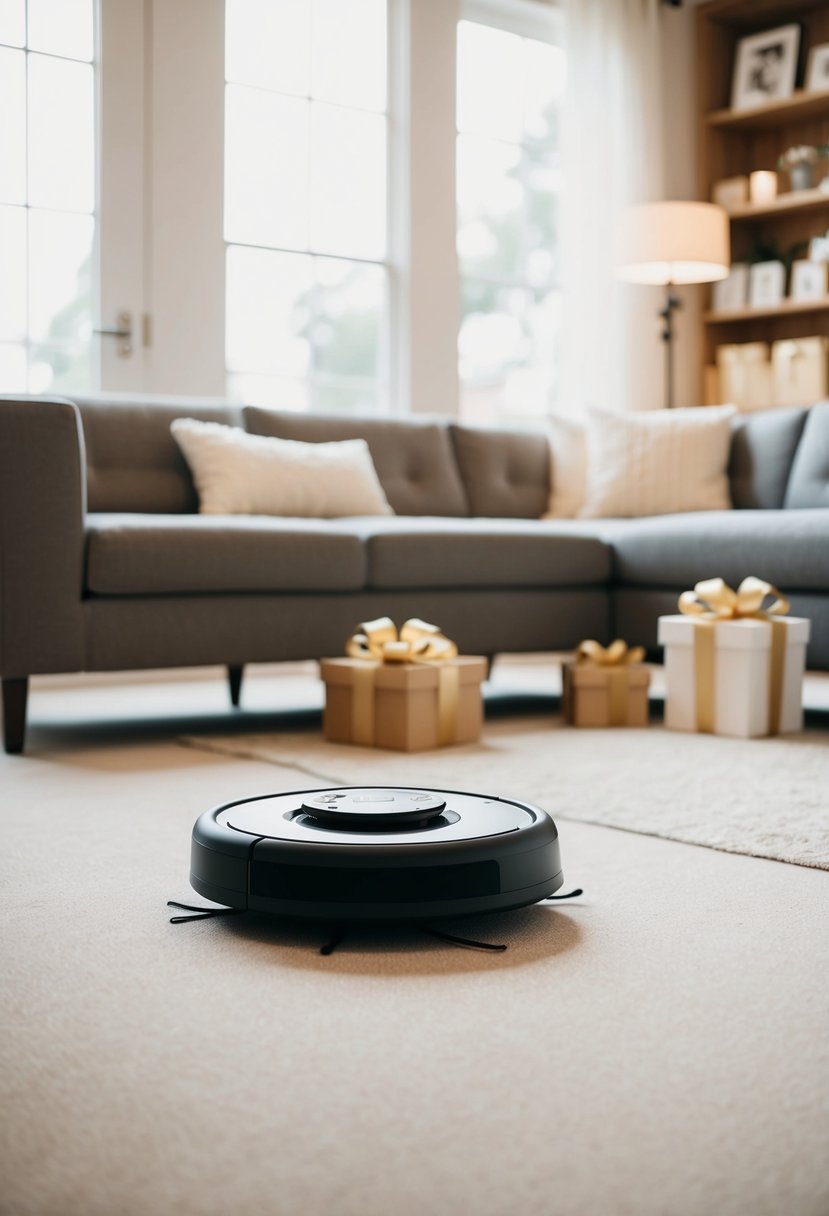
pixel 234 679
pixel 15 695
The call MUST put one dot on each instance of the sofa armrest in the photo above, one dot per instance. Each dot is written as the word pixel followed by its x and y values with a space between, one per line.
pixel 42 510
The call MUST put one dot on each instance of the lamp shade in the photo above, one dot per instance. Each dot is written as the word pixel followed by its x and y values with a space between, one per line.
pixel 673 243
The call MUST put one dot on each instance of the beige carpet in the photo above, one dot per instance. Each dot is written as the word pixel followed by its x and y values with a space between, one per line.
pixel 657 1049
pixel 764 797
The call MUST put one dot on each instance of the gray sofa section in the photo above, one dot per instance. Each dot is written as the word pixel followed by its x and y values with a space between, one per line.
pixel 105 563
pixel 808 484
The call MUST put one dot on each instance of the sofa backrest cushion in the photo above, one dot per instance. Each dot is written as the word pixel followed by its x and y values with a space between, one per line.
pixel 133 462
pixel 506 474
pixel 762 450
pixel 809 481
pixel 413 459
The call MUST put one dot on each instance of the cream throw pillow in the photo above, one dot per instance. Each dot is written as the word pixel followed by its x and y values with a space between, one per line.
pixel 241 474
pixel 568 468
pixel 657 462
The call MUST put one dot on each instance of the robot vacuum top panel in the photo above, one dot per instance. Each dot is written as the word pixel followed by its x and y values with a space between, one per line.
pixel 360 816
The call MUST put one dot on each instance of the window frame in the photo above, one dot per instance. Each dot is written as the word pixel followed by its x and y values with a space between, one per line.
pixel 386 380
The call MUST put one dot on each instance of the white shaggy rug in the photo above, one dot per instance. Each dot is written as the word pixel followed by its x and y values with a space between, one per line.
pixel 761 797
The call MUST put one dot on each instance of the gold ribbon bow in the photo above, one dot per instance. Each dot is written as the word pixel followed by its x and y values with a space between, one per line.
pixel 417 642
pixel 616 654
pixel 711 601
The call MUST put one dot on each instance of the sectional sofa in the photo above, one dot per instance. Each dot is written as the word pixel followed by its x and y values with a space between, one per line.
pixel 105 563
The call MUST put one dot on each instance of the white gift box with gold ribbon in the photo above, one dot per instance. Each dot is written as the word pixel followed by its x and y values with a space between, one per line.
pixel 410 691
pixel 800 370
pixel 733 667
pixel 744 372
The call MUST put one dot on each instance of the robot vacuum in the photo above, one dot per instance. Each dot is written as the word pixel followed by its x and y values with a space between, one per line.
pixel 369 854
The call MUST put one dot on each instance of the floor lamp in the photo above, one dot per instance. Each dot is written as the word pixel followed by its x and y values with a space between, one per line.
pixel 667 245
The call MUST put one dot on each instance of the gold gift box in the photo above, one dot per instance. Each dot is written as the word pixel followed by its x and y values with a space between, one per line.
pixel 409 707
pixel 605 696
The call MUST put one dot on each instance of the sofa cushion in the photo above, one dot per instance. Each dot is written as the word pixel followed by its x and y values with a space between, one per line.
pixel 413 459
pixel 161 554
pixel 790 549
pixel 657 462
pixel 133 462
pixel 762 450
pixel 480 553
pixel 809 481
pixel 237 473
pixel 506 474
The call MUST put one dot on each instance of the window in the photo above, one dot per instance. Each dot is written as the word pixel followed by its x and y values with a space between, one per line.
pixel 305 203
pixel 508 178
pixel 47 194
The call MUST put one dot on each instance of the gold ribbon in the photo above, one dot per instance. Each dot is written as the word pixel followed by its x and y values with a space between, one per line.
pixel 711 601
pixel 614 655
pixel 616 658
pixel 417 641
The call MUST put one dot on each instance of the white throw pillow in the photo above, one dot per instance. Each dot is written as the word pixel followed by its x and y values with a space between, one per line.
pixel 241 474
pixel 657 462
pixel 567 438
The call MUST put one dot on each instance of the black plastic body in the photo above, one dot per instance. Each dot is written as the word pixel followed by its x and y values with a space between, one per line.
pixel 404 879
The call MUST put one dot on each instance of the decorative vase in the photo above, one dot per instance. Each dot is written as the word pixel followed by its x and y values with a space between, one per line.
pixel 801 176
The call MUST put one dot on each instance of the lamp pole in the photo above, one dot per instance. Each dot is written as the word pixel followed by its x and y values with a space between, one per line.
pixel 666 313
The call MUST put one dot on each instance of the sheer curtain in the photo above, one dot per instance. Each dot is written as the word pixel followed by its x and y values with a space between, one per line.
pixel 612 153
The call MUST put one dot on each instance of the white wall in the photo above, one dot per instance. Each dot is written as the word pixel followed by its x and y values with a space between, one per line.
pixel 186 158
pixel 428 258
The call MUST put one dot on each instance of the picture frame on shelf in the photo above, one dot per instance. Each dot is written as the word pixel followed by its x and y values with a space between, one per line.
pixel 730 192
pixel 808 280
pixel 819 249
pixel 732 292
pixel 817 69
pixel 765 67
pixel 767 284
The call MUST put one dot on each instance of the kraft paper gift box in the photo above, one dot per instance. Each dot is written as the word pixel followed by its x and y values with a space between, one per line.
pixel 745 375
pixel 800 370
pixel 590 698
pixel 605 686
pixel 403 706
pixel 726 682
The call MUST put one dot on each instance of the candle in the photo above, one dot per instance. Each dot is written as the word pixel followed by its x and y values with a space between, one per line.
pixel 763 186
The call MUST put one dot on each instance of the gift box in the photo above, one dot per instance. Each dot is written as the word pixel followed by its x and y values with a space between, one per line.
pixel 800 370
pixel 408 692
pixel 605 696
pixel 745 376
pixel 738 675
pixel 398 705
pixel 605 687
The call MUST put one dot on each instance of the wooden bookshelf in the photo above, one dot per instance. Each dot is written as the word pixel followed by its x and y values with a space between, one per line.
pixel 784 204
pixel 788 308
pixel 736 142
pixel 802 104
